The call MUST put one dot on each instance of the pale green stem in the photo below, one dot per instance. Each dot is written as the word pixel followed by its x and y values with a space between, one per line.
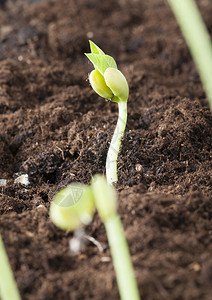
pixel 8 288
pixel 106 201
pixel 111 162
pixel 198 39
pixel 121 259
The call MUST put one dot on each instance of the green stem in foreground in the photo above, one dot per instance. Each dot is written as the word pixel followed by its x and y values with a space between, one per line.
pixel 198 39
pixel 105 200
pixel 111 162
pixel 8 288
pixel 121 259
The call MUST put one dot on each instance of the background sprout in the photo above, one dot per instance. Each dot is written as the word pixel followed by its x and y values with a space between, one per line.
pixel 198 40
pixel 8 288
pixel 103 196
pixel 108 82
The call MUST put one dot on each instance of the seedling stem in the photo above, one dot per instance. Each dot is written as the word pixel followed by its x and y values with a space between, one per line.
pixel 105 200
pixel 112 155
pixel 121 259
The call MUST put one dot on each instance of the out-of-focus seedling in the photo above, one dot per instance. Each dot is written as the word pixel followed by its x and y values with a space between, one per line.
pixel 197 38
pixel 70 209
pixel 8 288
pixel 108 82
pixel 72 206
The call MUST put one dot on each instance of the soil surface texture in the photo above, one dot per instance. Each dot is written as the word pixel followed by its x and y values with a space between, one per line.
pixel 57 130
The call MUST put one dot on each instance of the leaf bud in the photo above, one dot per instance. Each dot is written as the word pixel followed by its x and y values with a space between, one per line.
pixel 99 86
pixel 117 83
pixel 72 207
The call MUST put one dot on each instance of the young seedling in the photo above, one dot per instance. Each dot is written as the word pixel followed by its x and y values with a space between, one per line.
pixel 198 40
pixel 67 212
pixel 8 288
pixel 108 82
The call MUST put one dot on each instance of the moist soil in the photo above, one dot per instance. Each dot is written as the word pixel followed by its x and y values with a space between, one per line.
pixel 57 130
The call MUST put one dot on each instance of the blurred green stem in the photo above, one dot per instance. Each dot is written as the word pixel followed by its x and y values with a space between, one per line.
pixel 8 288
pixel 106 201
pixel 121 259
pixel 198 40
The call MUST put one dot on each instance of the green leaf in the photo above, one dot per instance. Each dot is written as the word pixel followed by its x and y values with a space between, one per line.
pixel 101 62
pixel 95 49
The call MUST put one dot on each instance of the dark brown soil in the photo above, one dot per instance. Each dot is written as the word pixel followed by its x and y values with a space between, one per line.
pixel 57 130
